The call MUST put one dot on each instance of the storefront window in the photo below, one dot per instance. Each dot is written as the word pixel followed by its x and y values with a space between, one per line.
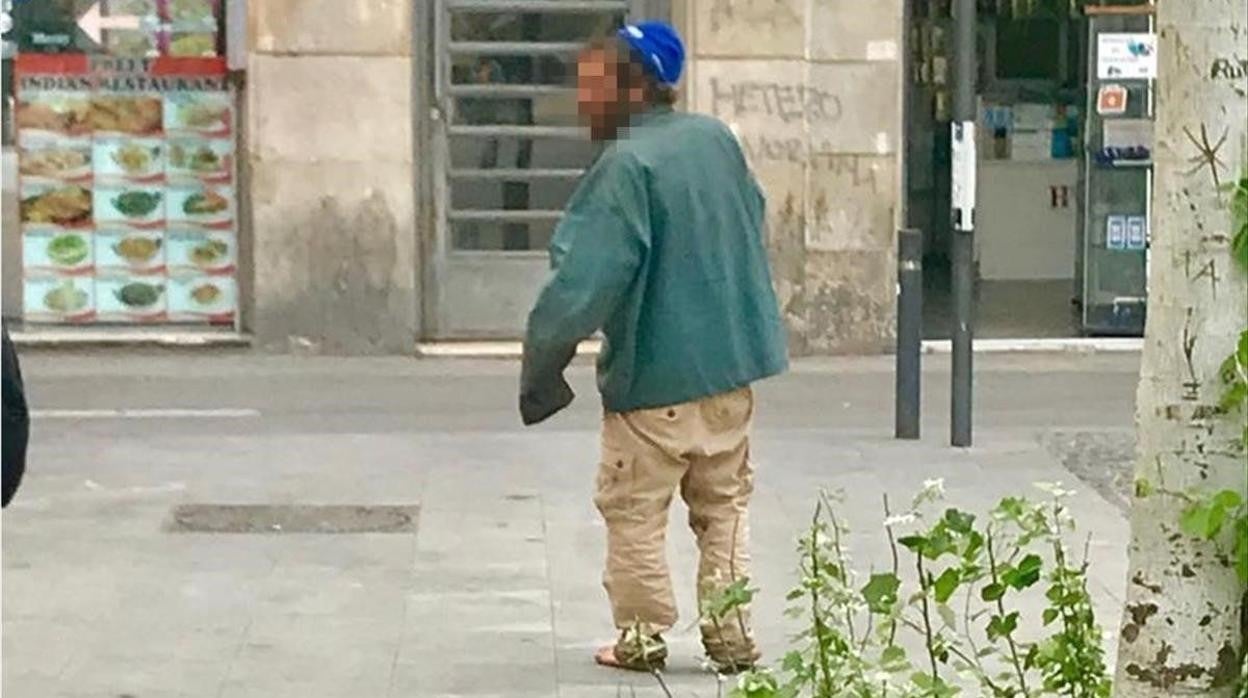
pixel 124 127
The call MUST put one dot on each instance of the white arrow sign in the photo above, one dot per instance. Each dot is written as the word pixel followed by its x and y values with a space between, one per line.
pixel 94 23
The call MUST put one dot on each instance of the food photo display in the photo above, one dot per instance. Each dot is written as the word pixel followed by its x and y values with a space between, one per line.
pixel 126 167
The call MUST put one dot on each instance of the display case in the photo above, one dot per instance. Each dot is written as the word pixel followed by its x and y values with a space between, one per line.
pixel 1118 171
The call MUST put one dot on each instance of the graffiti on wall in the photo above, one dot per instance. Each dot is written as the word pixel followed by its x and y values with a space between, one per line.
pixel 787 102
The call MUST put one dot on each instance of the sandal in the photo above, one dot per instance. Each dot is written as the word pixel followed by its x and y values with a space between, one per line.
pixel 651 656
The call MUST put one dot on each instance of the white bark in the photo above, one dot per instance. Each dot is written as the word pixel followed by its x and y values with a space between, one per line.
pixel 1181 629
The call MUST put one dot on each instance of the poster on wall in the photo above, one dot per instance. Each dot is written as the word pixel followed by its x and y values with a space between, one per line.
pixel 128 206
pixel 1126 56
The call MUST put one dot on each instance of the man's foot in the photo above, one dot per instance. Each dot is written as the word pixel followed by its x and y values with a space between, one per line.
pixel 732 660
pixel 732 667
pixel 650 656
pixel 605 656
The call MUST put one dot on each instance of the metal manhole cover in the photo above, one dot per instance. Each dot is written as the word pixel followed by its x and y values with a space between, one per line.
pixel 295 518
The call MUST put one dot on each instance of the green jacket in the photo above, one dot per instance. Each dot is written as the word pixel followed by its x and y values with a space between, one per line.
pixel 662 248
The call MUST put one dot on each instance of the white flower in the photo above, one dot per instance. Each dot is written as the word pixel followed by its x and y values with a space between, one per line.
pixel 900 520
pixel 935 486
pixel 1055 489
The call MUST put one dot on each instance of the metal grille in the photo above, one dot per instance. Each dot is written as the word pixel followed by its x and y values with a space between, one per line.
pixel 514 149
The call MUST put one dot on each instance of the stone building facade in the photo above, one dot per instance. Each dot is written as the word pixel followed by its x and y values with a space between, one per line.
pixel 338 119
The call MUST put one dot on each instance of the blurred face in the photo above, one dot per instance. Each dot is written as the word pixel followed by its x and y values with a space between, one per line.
pixel 605 96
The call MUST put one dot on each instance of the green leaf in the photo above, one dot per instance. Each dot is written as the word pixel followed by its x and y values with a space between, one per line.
pixel 736 595
pixel 1229 500
pixel 993 592
pixel 940 543
pixel 922 680
pixel 893 658
pixel 1233 397
pixel 959 521
pixel 1239 222
pixel 1012 508
pixel 947 615
pixel 756 684
pixel 974 546
pixel 1002 626
pixel 1025 575
pixel 946 584
pixel 1195 520
pixel 1218 517
pixel 1241 549
pixel 1050 615
pixel 1055 593
pixel 913 543
pixel 1239 245
pixel 880 592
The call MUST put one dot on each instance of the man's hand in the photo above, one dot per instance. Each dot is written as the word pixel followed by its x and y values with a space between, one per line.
pixel 537 405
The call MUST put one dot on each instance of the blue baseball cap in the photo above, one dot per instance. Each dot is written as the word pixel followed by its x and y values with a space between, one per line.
pixel 661 50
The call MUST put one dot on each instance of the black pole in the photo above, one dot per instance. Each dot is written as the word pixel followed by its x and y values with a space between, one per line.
pixel 963 204
pixel 909 332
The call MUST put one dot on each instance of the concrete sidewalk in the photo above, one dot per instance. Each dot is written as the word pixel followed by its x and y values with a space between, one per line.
pixel 496 592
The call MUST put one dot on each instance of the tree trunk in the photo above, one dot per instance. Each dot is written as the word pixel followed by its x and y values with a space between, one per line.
pixel 1181 631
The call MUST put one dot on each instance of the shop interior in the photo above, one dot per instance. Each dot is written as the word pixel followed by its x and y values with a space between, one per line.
pixel 1044 178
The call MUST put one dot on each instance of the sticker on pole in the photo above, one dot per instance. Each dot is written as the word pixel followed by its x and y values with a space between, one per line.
pixel 963 167
pixel 1111 100
pixel 1126 56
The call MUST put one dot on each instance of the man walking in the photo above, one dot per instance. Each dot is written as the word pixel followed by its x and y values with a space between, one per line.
pixel 661 247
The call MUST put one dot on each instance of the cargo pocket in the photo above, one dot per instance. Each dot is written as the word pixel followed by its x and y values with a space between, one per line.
pixel 616 476
pixel 729 413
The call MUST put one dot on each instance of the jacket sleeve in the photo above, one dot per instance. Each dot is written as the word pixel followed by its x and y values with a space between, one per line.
pixel 16 422
pixel 596 255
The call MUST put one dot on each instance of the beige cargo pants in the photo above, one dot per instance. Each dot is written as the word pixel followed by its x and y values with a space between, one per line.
pixel 703 449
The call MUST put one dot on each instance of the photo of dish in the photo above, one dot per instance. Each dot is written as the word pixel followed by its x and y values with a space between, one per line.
pixel 138 116
pixel 56 163
pixel 201 160
pixel 139 295
pixel 201 299
pixel 65 299
pixel 210 253
pixel 207 294
pixel 137 249
pixel 205 204
pixel 192 11
pixel 66 206
pixel 135 159
pixel 68 116
pixel 131 44
pixel 193 45
pixel 68 250
pixel 137 204
pixel 203 115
